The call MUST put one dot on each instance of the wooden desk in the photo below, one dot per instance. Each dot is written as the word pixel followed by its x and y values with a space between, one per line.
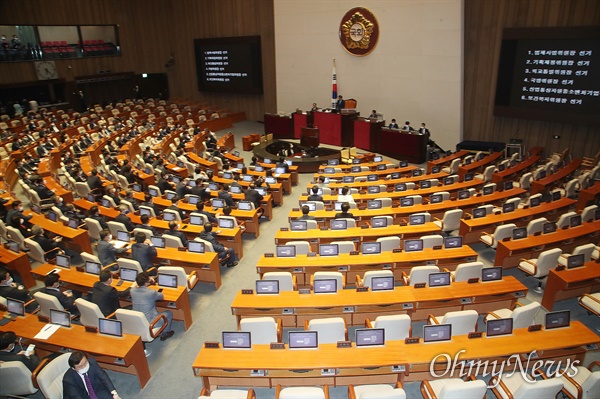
pixel 509 253
pixel 58 189
pixel 249 217
pixel 288 367
pixel 446 160
pixel 79 238
pixel 18 262
pixel 124 354
pixel 206 265
pixel 520 168
pixel 472 229
pixel 588 196
pixel 203 163
pixel 475 166
pixel 294 308
pixel 348 172
pixel 571 283
pixel 400 144
pixel 176 300
pixel 276 189
pixel 390 182
pixel 547 183
pixel 352 265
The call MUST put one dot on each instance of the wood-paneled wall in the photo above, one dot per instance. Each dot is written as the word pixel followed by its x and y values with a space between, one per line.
pixel 150 32
pixel 484 22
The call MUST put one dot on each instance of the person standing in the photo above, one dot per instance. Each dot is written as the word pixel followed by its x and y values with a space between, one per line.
pixel 144 300
pixel 340 103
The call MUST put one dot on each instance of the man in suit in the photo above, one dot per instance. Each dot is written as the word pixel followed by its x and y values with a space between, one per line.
pixel 340 103
pixel 253 196
pixel 305 215
pixel 408 127
pixel 163 183
pixel 209 216
pixel 10 289
pixel 94 214
pixel 282 164
pixel 67 300
pixel 112 193
pixel 182 188
pixel 95 183
pixel 16 210
pixel 423 129
pixel 173 231
pixel 393 125
pixel 144 300
pixel 145 219
pixel 223 251
pixel 344 214
pixel 199 190
pixel 105 295
pixel 53 246
pixel 85 379
pixel 42 191
pixel 107 253
pixel 9 352
pixel 123 218
pixel 225 195
pixel 40 150
pixel 148 202
pixel 315 194
pixel 143 251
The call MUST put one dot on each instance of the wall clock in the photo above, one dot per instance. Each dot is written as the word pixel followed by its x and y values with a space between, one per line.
pixel 46 70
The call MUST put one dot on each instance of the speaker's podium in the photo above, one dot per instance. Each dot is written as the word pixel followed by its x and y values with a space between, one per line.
pixel 309 137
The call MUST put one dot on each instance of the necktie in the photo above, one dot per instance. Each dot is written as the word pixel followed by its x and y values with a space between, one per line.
pixel 89 386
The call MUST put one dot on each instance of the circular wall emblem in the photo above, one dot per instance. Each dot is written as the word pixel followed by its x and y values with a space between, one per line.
pixel 359 31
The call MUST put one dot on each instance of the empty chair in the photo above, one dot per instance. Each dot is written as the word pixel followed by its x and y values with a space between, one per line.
pixel 263 330
pixel 432 240
pixel 329 330
pixel 427 216
pixel 454 388
pixel 397 327
pixel 135 323
pixel 389 243
pixel 302 247
pixel 585 384
pixel 591 302
pixel 176 216
pixel 89 257
pixel 129 205
pixel 466 271
pixel 503 231
pixel 338 276
pixel 588 212
pixel 570 189
pixel 344 247
pixel 50 375
pixel 379 391
pixel 114 227
pixel 524 181
pixel 565 219
pixel 386 202
pixel 462 321
pixel 146 232
pixel 540 267
pixel 586 250
pixel 228 394
pixel 16 379
pixel 486 176
pixel 16 236
pixel 522 315
pixel 47 302
pixel 82 189
pixel 445 195
pixel 125 263
pixel 419 274
pixel 453 168
pixel 516 201
pixel 366 280
pixel 301 392
pixel 536 226
pixel 514 386
pixel 183 279
pixel 450 221
pixel 150 187
pixel 350 223
pixel 173 242
pixel 417 199
pixel 110 200
pixel 90 312
pixel 287 281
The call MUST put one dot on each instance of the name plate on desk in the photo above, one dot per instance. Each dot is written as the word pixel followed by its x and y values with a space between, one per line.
pixel 269 255
pixel 277 345
pixel 211 344
pixel 560 268
pixel 284 229
pixel 430 263
pixel 43 319
pixel 91 329
pixel 295 209
pixel 362 289
pixel 420 285
pixel 310 254
pixel 535 327
pixel 403 223
pixel 364 226
pixel 205 267
pixel 386 266
pixel 344 344
pixel 473 280
pixel 298 270
pixel 411 340
pixel 437 247
pixel 324 228
pixel 247 292
pixel 407 306
pixel 396 250
pixel 304 291
pixel 354 253
pixel 475 334
pixel 342 268
pixel 465 301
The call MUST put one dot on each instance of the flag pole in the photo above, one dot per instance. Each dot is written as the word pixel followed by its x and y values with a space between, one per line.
pixel 334 87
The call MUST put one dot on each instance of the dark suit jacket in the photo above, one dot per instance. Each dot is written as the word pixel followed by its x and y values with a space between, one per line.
pixel 144 254
pixel 340 104
pixel 225 196
pixel 217 246
pixel 126 221
pixel 107 297
pixel 208 215
pixel 315 197
pixel 47 244
pixel 100 220
pixel 342 215
pixel 253 196
pixel 29 362
pixel 164 185
pixel 177 233
pixel 67 302
pixel 74 388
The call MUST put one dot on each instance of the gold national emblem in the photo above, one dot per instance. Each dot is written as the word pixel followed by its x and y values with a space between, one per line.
pixel 359 31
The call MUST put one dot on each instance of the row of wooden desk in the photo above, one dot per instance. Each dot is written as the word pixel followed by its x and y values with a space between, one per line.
pixel 570 283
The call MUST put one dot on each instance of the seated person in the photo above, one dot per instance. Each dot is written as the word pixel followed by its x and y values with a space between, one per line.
pixel 53 246
pixel 200 209
pixel 20 224
pixel 16 208
pixel 10 289
pixel 345 196
pixel 227 212
pixel 145 219
pixel 314 196
pixel 305 215
pixel 105 295
pixel 84 370
pixel 129 197
pixel 123 218
pixel 144 300
pixel 344 213
pixel 408 127
pixel 253 196
pixel 223 251
pixel 42 191
pixel 112 193
pixel 10 353
pixel 282 164
pixel 321 182
pixel 149 202
pixel 95 214
pixel 66 299
pixel 143 251
pixel 71 212
pixel 225 195
pixel 107 252
pixel 393 125
pixel 373 115
pixel 173 231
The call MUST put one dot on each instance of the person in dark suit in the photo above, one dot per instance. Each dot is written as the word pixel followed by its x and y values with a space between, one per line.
pixel 105 295
pixel 123 218
pixel 129 197
pixel 209 216
pixel 282 164
pixel 344 214
pixel 145 219
pixel 314 107
pixel 393 125
pixel 41 151
pixel 10 353
pixel 340 103
pixel 16 210
pixel 84 375
pixel 148 202
pixel 128 174
pixel 199 190
pixel 94 214
pixel 208 235
pixel 112 193
pixel 423 129
pixel 315 194
pixel 67 300
pixel 53 246
pixel 42 191
pixel 305 215
pixel 10 289
pixel 253 196
pixel 225 195
pixel 107 253
pixel 408 127
pixel 163 183
pixel 182 188
pixel 173 231
pixel 143 251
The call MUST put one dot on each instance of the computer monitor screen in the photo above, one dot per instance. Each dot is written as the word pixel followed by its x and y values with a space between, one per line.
pixel 245 206
pixel 91 197
pixel 236 340
pixel 63 260
pixel 348 179
pixel 167 280
pixel 247 178
pixel 416 219
pixel 487 190
pixel 436 198
pixel 61 318
pixel 271 180
pixel 508 185
pixel 312 206
pixel 508 207
pixel 374 204
pixel 213 186
pixel 498 327
pixel 333 162
pixel 464 194
pixel 381 167
pixel 448 181
pixel 355 169
pixel 382 283
pixel 417 172
pixel 93 267
pixel 158 242
pixel 15 306
pixel 541 174
pixel 377 159
pixel 128 274
pixel 437 333
pixel 267 286
pixel 106 203
pixel 196 247
pixel 400 187
pixel 193 199
pixel 217 203
pixel 261 191
pixel 147 170
pixel 549 227
pixel 328 249
pixel 137 187
pixel 403 164
pixel 153 192
pixel 556 195
pixel 439 279
pixel 491 273
pixel 298 225
pixel 370 248
pixel 379 222
pixel 73 223
pixel 329 170
pixel 370 337
pixel 240 165
pixel 468 176
pixel 168 216
pixel 325 286
pixel 372 178
pixel 575 221
pixel 303 340
pixel 407 201
pixel 453 242
pixel 413 245
pixel 286 251
pixel 110 327
pixel 501 167
pixel 575 261
pixel 267 160
pixel 534 201
pixel 123 236
pixel 13 246
pixel 176 179
pixel 289 162
pixel 235 189
pixel 338 224
pixel 425 184
pixel 436 169
pixel 374 189
pixel 227 175
pixel 356 160
pixel 145 211
pixel 479 213
pixel 225 223
pixel 395 175
pixel 337 206
pixel 519 233
pixel 558 319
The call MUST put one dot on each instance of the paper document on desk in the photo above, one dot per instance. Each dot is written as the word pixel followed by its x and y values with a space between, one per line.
pixel 119 244
pixel 47 331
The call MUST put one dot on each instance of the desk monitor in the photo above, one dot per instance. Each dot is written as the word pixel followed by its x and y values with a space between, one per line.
pixel 534 201
pixel 491 273
pixel 374 189
pixel 312 206
pixel 168 216
pixel 235 189
pixel 298 225
pixel 13 246
pixel 403 164
pixel 333 162
pixel 556 196
pixel 372 177
pixel 240 165
pixel 267 160
pixel 414 220
pixel 337 206
pixel 519 233
pixel 328 249
pixel 378 159
pixel 468 161
pixel 381 167
pixel 448 181
pixel 575 261
pixel 453 242
pixel 145 211
pixel 487 190
pixel 128 274
pixel 303 340
pixel 356 160
pixel 236 340
pixel 395 175
pixel 225 223
pixel 436 198
pixel 110 327
pixel 348 179
pixel 541 174
pixel 63 260
pixel 329 170
pixel 508 207
pixel 259 168
pixel 468 177
pixel 286 251
pixel 499 327
pixel 167 280
pixel 248 178
pixel 193 199
pixel 501 167
pixel 153 192
pixel 597 214
pixel 508 185
pixel 436 169
pixel 382 283
pixel 400 187
pixel 52 216
pixel 374 204
pixel 379 221
pixel 437 333
pixel 61 318
pixel 267 287
pixel 106 203
pixel 439 279
pixel 425 184
pixel 355 169
pixel 179 164
pixel 549 227
pixel 196 247
pixel 217 203
pixel 261 191
pixel 245 206
pixel 407 201
pixel 147 170
pixel 110 177
pixel 123 236
pixel 158 242
pixel 213 186
pixel 176 179
pixel 319 192
pixel 370 248
pixel 137 187
pixel 417 172
pixel 325 286
pixel 370 337
pixel 413 245
pixel 479 213
pixel 464 194
pixel 338 224
pixel 558 319
pixel 93 267
pixel 575 221
pixel 91 197
pixel 227 175
pixel 15 307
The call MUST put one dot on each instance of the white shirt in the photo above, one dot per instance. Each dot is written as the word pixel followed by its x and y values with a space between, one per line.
pixel 345 198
